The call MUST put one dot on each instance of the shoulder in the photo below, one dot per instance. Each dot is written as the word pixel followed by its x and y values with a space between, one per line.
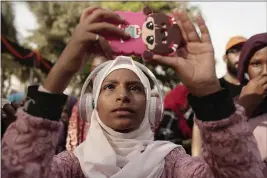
pixel 66 157
pixel 178 164
pixel 175 154
pixel 68 164
pixel 178 156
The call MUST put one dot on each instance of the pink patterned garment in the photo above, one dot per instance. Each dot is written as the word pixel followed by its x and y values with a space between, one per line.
pixel 77 130
pixel 230 151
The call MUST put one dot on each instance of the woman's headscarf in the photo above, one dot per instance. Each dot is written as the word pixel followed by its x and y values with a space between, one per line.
pixel 109 154
pixel 249 48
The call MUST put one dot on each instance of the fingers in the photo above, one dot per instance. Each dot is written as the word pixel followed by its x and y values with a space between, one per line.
pixel 257 78
pixel 176 16
pixel 174 62
pixel 87 12
pixel 15 105
pixel 188 26
pixel 205 35
pixel 106 48
pixel 263 80
pixel 9 111
pixel 199 48
pixel 100 15
pixel 107 28
pixel 3 114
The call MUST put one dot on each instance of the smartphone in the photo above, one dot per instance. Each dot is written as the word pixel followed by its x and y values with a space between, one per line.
pixel 151 33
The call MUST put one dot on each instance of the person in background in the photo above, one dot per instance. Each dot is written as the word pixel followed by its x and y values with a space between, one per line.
pixel 229 81
pixel 253 67
pixel 16 97
pixel 78 128
pixel 176 125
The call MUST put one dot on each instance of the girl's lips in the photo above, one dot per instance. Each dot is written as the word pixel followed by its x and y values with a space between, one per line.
pixel 123 110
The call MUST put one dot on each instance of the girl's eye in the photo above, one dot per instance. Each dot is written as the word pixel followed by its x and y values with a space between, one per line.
pixel 255 64
pixel 136 88
pixel 109 87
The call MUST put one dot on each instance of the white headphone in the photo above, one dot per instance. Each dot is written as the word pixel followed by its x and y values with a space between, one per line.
pixel 86 104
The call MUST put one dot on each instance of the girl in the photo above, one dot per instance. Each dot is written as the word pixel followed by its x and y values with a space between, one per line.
pixel 120 142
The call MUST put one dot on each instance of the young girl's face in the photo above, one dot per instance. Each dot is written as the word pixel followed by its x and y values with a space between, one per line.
pixel 258 63
pixel 122 101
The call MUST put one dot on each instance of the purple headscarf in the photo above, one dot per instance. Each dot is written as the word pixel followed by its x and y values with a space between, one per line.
pixel 249 48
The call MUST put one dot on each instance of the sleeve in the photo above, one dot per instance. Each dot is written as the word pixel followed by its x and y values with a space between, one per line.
pixel 29 144
pixel 229 148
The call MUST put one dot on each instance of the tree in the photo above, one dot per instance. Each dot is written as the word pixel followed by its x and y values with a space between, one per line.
pixel 58 19
pixel 9 67
pixel 7 18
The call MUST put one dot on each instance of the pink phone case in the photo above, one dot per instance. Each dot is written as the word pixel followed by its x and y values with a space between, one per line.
pixel 151 33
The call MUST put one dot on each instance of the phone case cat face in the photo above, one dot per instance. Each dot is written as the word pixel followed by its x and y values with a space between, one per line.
pixel 151 33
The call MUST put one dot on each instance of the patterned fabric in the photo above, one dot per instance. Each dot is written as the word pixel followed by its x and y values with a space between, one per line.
pixel 77 130
pixel 229 151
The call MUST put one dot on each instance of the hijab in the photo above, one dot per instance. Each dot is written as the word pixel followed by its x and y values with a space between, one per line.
pixel 109 154
pixel 249 48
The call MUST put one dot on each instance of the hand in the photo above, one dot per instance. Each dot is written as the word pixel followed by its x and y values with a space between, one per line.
pixel 8 116
pixel 257 85
pixel 253 93
pixel 196 65
pixel 86 39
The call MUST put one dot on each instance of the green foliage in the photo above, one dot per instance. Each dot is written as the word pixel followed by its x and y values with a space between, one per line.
pixel 7 18
pixel 57 20
pixel 9 66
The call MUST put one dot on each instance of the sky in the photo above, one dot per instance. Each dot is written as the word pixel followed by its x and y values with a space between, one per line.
pixel 227 19
pixel 224 20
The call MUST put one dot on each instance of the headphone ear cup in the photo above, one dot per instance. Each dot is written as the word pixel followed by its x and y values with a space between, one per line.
pixel 86 107
pixel 155 111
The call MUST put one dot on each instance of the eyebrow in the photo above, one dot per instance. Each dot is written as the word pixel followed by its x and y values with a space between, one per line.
pixel 128 82
pixel 255 60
